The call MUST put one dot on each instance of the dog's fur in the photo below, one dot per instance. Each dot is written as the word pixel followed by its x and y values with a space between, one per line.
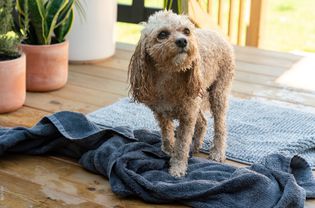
pixel 179 83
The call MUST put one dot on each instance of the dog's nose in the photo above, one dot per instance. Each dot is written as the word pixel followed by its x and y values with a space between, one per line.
pixel 181 42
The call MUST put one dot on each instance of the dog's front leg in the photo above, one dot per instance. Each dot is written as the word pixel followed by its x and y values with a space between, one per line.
pixel 218 99
pixel 167 131
pixel 179 159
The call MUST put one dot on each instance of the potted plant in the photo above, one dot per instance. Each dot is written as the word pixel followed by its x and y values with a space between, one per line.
pixel 12 62
pixel 45 46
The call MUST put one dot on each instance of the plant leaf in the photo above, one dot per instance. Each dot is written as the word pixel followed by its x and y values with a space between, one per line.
pixel 37 17
pixel 62 30
pixel 19 7
pixel 52 12
pixel 65 12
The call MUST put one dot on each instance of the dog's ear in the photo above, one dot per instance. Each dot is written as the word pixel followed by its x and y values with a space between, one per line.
pixel 194 81
pixel 140 73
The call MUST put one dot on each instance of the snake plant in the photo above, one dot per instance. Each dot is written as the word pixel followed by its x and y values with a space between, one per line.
pixel 50 20
pixel 168 4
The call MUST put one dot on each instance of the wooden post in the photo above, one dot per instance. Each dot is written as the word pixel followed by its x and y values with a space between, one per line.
pixel 232 16
pixel 200 17
pixel 254 30
pixel 220 13
pixel 241 22
pixel 210 7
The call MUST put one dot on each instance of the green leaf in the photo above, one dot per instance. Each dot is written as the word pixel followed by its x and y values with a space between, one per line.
pixel 65 12
pixel 20 6
pixel 52 12
pixel 37 20
pixel 64 28
pixel 31 36
pixel 22 26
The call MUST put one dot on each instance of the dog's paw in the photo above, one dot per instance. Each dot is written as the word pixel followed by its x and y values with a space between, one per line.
pixel 196 149
pixel 216 155
pixel 177 168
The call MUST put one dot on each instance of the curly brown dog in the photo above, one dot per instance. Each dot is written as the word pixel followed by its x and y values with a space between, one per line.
pixel 177 70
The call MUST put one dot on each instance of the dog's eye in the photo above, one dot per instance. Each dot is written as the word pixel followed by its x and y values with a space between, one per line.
pixel 186 31
pixel 163 35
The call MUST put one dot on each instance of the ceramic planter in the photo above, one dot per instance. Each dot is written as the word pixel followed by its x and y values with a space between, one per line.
pixel 46 66
pixel 92 38
pixel 12 84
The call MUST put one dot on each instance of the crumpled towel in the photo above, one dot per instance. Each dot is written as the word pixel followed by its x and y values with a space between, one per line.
pixel 135 166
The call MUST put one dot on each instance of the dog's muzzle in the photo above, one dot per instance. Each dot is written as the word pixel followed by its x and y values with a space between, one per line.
pixel 181 42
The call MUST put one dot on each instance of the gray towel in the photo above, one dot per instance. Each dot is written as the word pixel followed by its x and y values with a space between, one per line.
pixel 255 128
pixel 135 166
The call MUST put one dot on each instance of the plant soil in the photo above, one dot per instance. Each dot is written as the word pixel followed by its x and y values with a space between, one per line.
pixel 6 57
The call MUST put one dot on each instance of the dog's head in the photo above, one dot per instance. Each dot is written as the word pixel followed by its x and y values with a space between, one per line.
pixel 167 45
pixel 170 41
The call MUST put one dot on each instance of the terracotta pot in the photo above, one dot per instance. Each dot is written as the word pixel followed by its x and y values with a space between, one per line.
pixel 46 66
pixel 12 84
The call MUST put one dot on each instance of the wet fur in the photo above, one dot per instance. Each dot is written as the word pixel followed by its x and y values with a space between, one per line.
pixel 182 86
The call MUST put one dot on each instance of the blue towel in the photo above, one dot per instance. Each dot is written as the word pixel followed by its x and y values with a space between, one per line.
pixel 135 166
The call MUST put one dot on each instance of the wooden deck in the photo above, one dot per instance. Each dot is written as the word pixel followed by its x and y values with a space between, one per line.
pixel 45 181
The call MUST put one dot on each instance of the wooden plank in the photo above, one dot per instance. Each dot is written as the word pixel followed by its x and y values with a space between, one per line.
pixel 260 69
pixel 62 177
pixel 82 94
pixel 309 203
pixel 101 71
pixel 36 195
pixel 25 116
pixel 267 53
pixel 14 200
pixel 262 60
pixel 91 82
pixel 53 103
pixel 268 81
pixel 241 95
pixel 285 95
pixel 255 78
pixel 115 63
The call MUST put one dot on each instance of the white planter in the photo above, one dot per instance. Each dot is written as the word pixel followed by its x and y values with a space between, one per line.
pixel 92 38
